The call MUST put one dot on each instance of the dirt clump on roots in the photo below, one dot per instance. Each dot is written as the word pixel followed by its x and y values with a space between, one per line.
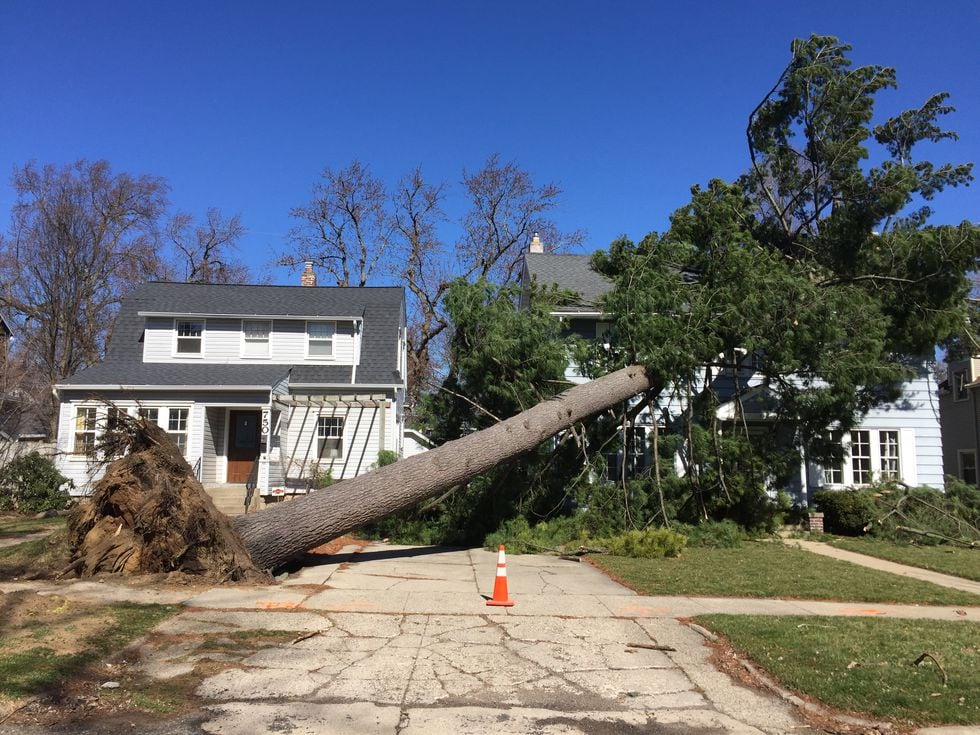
pixel 149 514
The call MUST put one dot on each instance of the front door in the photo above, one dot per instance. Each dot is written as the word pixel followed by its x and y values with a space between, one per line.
pixel 243 444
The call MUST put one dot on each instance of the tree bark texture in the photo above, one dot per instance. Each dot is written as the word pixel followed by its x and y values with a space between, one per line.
pixel 284 531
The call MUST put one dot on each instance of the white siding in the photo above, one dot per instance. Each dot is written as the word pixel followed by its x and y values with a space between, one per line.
pixel 200 437
pixel 222 343
pixel 916 417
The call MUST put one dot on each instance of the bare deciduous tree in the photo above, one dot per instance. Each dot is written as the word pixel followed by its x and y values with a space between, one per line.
pixel 506 210
pixel 427 274
pixel 204 251
pixel 346 228
pixel 358 231
pixel 81 236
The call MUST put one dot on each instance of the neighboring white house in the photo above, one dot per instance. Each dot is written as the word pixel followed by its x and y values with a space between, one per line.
pixel 260 386
pixel 900 440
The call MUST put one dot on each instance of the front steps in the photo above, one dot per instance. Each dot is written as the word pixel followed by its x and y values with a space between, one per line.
pixel 230 499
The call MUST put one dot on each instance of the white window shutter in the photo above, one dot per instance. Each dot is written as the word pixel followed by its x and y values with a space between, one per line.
pixel 907 458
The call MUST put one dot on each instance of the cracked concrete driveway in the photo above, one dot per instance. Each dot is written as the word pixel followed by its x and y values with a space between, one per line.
pixel 404 643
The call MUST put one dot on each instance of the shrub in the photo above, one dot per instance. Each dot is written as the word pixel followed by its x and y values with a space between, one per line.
pixel 650 543
pixel 31 484
pixel 846 512
pixel 386 457
pixel 713 534
pixel 321 477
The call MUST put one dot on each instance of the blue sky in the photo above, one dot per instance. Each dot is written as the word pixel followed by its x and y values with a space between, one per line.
pixel 240 105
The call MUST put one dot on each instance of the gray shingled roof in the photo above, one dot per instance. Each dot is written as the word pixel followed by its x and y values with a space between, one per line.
pixel 380 308
pixel 571 273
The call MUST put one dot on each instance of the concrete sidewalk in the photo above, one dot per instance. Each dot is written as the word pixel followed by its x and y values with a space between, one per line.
pixel 903 570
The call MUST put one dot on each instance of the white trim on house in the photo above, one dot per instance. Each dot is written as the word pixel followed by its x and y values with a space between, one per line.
pixel 107 387
pixel 279 317
pixel 344 385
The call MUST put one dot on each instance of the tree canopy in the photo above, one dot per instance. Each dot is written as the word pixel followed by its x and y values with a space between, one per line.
pixel 818 269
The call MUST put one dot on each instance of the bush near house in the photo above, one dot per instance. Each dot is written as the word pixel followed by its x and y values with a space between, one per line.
pixel 846 512
pixel 31 484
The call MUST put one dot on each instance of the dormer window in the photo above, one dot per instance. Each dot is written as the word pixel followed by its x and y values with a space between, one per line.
pixel 320 339
pixel 255 335
pixel 190 338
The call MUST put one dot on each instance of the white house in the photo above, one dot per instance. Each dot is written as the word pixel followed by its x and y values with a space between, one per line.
pixel 899 440
pixel 261 387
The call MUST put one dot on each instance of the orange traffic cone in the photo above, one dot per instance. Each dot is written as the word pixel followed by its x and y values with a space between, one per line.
pixel 500 597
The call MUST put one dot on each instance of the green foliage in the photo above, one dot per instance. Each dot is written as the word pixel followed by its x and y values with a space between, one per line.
pixel 935 517
pixel 713 534
pixel 521 538
pixel 386 457
pixel 650 543
pixel 503 359
pixel 321 477
pixel 792 300
pixel 31 484
pixel 846 512
pixel 825 271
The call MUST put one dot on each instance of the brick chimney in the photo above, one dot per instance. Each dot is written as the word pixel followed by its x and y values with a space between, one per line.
pixel 309 275
pixel 536 245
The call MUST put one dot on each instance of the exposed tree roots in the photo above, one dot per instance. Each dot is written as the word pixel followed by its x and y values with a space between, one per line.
pixel 149 514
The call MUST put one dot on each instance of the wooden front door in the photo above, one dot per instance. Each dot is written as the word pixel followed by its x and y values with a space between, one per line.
pixel 243 444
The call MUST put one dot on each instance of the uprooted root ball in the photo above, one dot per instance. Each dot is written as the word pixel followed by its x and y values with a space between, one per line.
pixel 149 514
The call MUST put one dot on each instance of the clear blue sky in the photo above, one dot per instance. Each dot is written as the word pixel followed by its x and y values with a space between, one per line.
pixel 239 105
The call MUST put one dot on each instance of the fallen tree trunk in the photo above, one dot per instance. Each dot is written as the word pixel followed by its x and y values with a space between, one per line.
pixel 282 532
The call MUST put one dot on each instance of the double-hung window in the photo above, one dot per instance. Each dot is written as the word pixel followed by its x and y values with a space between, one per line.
pixel 330 437
pixel 190 337
pixel 255 336
pixel 888 455
pixel 320 339
pixel 177 427
pixel 86 422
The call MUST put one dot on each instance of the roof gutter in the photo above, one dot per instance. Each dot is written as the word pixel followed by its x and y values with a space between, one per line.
pixel 344 385
pixel 109 386
pixel 199 315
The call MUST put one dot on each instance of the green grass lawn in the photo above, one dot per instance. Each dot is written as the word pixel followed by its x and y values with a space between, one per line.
pixel 12 525
pixel 28 669
pixel 773 570
pixel 865 665
pixel 958 561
